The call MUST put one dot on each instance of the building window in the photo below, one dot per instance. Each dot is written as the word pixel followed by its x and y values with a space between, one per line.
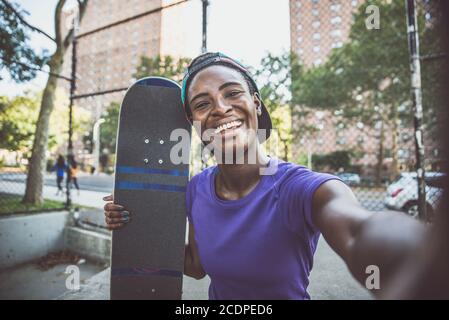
pixel 299 27
pixel 336 33
pixel 403 153
pixel 338 44
pixel 336 20
pixel 360 139
pixel 300 51
pixel 316 49
pixel 436 152
pixel 354 3
pixel 316 24
pixel 315 12
pixel 299 39
pixel 335 7
pixel 317 62
pixel 405 137
pixel 316 36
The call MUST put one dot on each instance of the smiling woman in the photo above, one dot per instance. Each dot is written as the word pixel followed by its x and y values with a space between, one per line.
pixel 255 231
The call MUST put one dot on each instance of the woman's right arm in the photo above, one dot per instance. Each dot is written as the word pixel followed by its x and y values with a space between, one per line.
pixel 192 263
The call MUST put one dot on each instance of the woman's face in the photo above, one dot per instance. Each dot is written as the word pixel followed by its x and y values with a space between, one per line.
pixel 218 96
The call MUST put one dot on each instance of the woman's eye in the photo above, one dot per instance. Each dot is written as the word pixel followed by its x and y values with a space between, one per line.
pixel 234 93
pixel 201 105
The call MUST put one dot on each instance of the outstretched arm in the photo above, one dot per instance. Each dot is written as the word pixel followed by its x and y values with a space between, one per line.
pixel 363 238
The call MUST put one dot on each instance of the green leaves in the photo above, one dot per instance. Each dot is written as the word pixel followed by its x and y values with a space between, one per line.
pixel 16 56
pixel 17 121
pixel 162 66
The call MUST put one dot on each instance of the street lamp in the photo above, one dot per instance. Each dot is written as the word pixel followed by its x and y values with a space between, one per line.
pixel 96 141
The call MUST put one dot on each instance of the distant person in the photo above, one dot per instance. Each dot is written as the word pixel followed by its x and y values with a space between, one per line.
pixel 74 175
pixel 60 167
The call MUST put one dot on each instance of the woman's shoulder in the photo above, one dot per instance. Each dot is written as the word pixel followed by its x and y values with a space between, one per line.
pixel 290 174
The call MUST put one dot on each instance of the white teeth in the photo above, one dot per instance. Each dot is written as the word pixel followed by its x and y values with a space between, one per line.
pixel 227 126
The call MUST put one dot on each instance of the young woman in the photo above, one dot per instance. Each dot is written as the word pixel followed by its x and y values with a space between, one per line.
pixel 60 168
pixel 255 235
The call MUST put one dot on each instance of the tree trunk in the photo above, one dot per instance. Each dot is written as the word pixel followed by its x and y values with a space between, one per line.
pixel 34 183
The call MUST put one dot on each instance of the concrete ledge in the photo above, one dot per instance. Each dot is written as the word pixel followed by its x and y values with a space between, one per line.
pixel 91 244
pixel 27 237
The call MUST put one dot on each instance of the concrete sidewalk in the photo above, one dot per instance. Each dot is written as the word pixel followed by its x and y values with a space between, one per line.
pixel 85 198
pixel 329 280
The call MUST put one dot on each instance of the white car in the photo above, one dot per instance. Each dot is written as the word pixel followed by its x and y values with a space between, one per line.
pixel 351 179
pixel 402 194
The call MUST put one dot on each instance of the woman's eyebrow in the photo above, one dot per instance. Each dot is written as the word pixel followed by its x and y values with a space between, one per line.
pixel 227 84
pixel 198 96
pixel 224 85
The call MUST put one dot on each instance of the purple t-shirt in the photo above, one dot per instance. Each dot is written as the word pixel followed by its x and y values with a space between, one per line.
pixel 260 246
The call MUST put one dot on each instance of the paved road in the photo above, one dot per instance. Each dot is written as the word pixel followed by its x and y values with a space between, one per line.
pixel 372 199
pixel 330 280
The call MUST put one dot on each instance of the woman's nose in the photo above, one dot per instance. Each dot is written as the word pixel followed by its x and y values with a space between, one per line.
pixel 222 107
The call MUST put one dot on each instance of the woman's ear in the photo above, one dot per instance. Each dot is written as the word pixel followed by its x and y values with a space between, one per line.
pixel 257 100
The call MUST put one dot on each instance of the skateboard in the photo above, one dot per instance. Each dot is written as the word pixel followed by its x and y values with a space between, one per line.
pixel 147 259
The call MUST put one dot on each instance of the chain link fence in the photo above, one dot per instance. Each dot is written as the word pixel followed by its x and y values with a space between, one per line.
pixel 352 112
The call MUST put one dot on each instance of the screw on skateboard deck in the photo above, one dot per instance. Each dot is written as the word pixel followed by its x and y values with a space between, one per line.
pixel 147 259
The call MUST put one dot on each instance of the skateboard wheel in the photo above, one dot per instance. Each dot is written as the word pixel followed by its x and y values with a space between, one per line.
pixel 145 160
pixel 147 140
pixel 153 290
pixel 161 161
pixel 161 141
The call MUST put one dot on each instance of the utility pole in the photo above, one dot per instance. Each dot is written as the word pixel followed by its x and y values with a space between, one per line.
pixel 204 45
pixel 70 156
pixel 415 70
pixel 96 139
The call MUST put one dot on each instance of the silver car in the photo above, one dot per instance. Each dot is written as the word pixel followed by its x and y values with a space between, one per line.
pixel 402 194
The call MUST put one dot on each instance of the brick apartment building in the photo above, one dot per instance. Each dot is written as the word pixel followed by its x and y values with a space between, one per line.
pixel 111 42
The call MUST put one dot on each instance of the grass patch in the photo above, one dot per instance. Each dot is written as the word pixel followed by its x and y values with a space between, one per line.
pixel 13 204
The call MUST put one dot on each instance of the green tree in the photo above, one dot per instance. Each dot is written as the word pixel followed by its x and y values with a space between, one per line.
pixel 17 121
pixel 162 66
pixel 274 79
pixel 16 55
pixel 34 183
pixel 108 130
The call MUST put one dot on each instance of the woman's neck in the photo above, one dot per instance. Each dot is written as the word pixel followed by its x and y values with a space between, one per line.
pixel 235 181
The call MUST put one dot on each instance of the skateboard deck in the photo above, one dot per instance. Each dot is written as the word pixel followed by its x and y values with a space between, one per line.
pixel 147 260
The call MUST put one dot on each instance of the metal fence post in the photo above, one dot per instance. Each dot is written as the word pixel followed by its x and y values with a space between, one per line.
pixel 415 69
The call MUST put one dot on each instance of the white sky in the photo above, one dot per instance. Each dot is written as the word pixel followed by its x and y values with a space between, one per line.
pixel 243 29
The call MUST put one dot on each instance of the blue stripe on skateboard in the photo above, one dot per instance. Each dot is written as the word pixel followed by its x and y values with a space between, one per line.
pixel 127 185
pixel 125 169
pixel 158 82
pixel 124 272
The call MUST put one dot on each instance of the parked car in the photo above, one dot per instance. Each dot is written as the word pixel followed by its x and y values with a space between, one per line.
pixel 402 194
pixel 350 179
